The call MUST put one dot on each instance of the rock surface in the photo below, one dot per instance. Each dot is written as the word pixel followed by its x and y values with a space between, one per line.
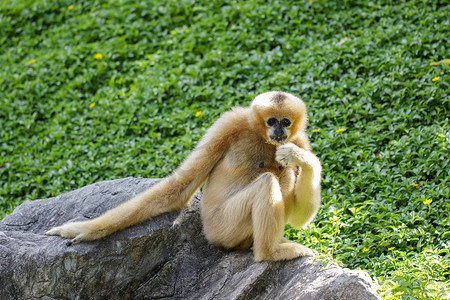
pixel 164 258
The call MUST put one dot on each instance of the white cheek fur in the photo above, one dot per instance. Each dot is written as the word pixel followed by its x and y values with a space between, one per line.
pixel 269 132
pixel 288 133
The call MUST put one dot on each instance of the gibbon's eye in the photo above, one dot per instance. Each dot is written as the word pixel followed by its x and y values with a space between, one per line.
pixel 271 122
pixel 285 122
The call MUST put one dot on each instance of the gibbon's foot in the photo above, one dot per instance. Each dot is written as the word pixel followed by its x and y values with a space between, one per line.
pixel 284 251
pixel 77 231
pixel 290 154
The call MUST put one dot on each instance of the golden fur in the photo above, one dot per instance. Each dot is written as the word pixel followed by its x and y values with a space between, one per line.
pixel 253 184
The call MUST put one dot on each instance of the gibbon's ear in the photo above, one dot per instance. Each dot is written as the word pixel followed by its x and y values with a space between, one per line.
pixel 279 105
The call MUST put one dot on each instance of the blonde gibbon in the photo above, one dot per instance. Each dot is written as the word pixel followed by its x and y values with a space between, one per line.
pixel 257 172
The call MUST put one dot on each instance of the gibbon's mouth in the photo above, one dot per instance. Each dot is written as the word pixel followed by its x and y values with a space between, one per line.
pixel 278 139
pixel 277 142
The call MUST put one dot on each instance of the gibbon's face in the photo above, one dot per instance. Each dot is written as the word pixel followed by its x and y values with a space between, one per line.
pixel 278 130
pixel 278 116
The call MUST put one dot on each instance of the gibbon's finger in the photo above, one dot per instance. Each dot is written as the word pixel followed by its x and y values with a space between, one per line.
pixel 281 157
pixel 284 162
pixel 60 231
pixel 54 231
pixel 77 239
pixel 308 252
pixel 74 236
pixel 284 154
pixel 69 230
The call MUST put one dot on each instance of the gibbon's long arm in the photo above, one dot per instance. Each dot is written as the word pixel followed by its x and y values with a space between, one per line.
pixel 170 194
pixel 307 186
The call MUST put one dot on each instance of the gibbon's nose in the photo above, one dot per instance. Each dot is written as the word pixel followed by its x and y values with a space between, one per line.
pixel 278 138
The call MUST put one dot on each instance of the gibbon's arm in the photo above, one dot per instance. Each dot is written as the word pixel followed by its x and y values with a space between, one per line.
pixel 172 193
pixel 307 186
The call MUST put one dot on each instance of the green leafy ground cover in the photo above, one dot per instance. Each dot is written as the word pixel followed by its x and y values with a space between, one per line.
pixel 98 90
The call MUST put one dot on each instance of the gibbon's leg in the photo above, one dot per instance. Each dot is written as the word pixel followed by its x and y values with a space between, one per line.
pixel 307 187
pixel 258 208
pixel 268 216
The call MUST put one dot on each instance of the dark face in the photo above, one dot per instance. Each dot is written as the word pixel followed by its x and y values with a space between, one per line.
pixel 277 129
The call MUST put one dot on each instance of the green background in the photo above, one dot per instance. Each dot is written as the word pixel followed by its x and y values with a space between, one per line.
pixel 377 69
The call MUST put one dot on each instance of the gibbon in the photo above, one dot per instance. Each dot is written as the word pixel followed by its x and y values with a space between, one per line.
pixel 257 172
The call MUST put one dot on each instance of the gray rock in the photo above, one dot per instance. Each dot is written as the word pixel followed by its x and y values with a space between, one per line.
pixel 164 258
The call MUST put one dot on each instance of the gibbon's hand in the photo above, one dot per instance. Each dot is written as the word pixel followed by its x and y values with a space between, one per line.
pixel 77 231
pixel 290 154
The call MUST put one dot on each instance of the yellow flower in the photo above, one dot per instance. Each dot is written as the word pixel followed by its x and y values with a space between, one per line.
pixel 316 130
pixel 197 114
pixel 428 201
pixel 70 7
pixel 416 185
pixel 92 105
pixel 435 79
pixel 444 61
pixel 98 56
pixel 340 130
pixel 390 249
pixel 398 294
pixel 351 98
pixel 365 250
pixel 31 61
